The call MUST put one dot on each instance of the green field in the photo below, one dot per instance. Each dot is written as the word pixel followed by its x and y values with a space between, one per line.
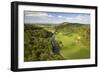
pixel 72 47
pixel 72 39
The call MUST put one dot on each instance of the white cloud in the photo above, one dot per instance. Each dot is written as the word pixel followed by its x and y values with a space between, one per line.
pixel 60 16
pixel 68 18
pixel 37 14
pixel 79 19
pixel 50 16
pixel 43 17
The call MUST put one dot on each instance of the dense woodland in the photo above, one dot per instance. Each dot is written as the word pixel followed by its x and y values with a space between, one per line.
pixel 37 44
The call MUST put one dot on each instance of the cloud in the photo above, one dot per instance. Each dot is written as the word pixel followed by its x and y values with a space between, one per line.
pixel 81 18
pixel 50 16
pixel 60 16
pixel 35 14
pixel 37 17
pixel 47 17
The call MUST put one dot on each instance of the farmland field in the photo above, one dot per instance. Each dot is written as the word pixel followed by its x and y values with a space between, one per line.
pixel 63 41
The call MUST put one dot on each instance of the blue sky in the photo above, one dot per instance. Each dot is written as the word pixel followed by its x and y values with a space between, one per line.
pixel 55 17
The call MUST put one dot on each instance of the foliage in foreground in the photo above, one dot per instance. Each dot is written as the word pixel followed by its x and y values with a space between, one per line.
pixel 37 44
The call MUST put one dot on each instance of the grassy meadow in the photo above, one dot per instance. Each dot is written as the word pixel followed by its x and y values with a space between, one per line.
pixel 71 41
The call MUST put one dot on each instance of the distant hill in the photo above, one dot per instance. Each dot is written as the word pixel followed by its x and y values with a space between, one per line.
pixel 63 24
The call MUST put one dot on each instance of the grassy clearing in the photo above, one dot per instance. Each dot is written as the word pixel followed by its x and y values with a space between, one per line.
pixel 72 48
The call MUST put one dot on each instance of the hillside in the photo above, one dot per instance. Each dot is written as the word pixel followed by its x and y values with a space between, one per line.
pixel 73 40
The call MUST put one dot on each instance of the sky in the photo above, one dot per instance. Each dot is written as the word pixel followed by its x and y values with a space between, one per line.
pixel 55 17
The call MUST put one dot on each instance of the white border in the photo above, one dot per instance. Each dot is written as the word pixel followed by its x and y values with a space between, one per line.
pixel 22 64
